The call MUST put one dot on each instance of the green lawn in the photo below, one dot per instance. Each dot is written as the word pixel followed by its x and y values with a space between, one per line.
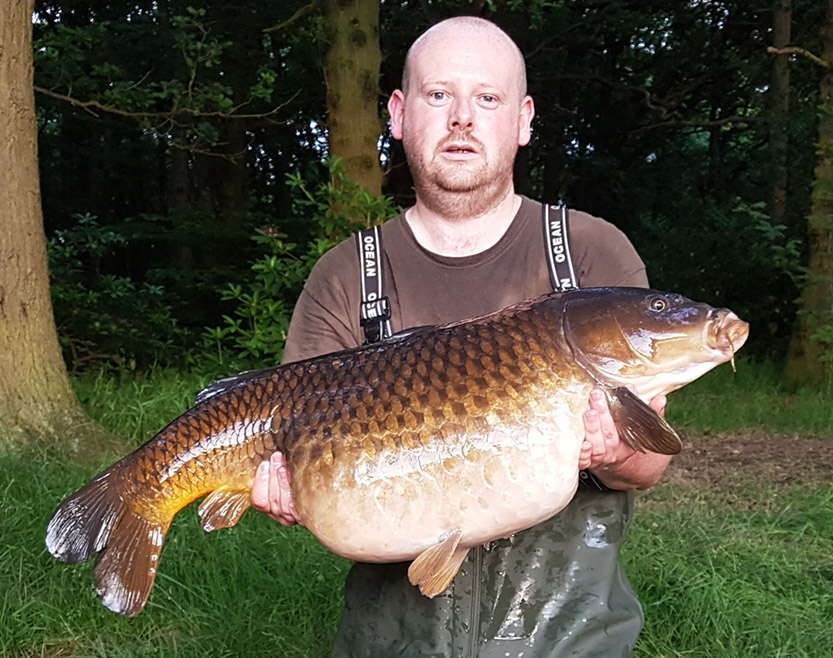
pixel 741 573
pixel 723 571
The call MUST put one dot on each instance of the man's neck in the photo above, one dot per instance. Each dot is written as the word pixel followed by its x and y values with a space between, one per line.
pixel 461 236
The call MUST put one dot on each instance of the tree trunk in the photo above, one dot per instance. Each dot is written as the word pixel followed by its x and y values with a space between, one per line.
pixel 351 72
pixel 779 107
pixel 811 348
pixel 35 394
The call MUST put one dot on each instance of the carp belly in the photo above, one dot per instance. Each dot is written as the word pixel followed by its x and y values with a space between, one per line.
pixel 394 509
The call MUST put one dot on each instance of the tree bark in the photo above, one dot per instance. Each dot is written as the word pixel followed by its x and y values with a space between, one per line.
pixel 811 348
pixel 779 107
pixel 351 72
pixel 35 393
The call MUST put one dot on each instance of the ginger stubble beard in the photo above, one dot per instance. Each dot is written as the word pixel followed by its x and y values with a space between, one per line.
pixel 454 190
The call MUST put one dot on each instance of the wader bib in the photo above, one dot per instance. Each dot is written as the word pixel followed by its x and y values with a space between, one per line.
pixel 553 590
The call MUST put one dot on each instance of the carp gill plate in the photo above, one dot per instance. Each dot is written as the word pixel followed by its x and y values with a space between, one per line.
pixel 417 448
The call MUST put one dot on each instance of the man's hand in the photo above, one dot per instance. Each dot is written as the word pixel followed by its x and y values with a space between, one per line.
pixel 611 460
pixel 271 493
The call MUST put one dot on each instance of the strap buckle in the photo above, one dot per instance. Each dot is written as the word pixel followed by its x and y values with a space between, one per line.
pixel 373 317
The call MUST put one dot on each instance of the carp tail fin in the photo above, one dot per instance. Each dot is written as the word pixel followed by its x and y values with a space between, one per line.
pixel 82 523
pixel 95 519
pixel 126 568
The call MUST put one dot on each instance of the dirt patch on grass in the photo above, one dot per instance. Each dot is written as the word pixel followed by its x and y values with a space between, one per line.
pixel 719 460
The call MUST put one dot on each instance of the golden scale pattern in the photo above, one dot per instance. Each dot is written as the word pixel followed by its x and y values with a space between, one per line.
pixel 409 394
pixel 406 393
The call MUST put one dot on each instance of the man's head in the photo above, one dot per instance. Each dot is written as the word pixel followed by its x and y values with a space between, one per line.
pixel 474 27
pixel 462 112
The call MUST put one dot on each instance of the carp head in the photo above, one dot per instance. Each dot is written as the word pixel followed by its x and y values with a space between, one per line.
pixel 654 341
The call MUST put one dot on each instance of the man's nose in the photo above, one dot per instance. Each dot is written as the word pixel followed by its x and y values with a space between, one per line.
pixel 462 115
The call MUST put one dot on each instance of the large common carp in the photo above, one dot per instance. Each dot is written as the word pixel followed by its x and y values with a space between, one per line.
pixel 417 448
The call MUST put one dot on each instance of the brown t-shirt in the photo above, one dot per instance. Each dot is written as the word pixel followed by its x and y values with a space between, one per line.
pixel 425 288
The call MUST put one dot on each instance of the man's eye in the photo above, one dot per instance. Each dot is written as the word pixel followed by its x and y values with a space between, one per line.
pixel 437 95
pixel 489 99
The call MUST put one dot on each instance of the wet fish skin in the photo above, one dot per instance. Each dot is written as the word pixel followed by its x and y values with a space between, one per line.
pixel 420 447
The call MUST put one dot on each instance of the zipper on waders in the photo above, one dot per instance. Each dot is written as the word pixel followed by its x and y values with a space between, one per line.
pixel 474 617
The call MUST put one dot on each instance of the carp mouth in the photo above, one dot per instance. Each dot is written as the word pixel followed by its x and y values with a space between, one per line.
pixel 726 333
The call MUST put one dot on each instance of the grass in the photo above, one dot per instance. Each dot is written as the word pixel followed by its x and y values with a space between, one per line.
pixel 753 398
pixel 741 573
pixel 721 573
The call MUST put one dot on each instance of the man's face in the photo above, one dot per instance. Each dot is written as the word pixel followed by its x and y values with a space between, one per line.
pixel 462 117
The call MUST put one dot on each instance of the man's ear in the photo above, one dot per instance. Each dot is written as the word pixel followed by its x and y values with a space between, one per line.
pixel 396 109
pixel 525 122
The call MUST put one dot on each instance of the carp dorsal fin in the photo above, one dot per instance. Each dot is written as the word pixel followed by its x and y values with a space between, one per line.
pixel 639 426
pixel 435 568
pixel 410 332
pixel 227 383
pixel 223 507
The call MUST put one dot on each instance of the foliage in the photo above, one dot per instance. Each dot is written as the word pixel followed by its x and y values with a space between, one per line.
pixel 651 115
pixel 256 331
pixel 104 318
pixel 183 108
pixel 738 260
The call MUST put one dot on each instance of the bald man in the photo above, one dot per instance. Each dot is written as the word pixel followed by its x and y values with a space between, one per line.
pixel 470 246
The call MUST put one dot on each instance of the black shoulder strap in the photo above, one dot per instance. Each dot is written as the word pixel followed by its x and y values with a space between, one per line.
pixel 375 308
pixel 556 221
pixel 563 277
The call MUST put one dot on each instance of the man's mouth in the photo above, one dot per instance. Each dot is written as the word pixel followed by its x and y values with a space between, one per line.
pixel 460 148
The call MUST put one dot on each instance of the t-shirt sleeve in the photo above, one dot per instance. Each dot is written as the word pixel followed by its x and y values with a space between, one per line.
pixel 604 255
pixel 325 318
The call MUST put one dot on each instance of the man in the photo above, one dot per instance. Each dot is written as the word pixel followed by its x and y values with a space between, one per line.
pixel 469 246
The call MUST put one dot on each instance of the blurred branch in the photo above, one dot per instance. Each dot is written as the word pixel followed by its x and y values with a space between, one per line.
pixel 162 124
pixel 303 11
pixel 90 106
pixel 792 50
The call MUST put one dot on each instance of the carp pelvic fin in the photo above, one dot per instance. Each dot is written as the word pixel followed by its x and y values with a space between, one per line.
pixel 639 426
pixel 96 519
pixel 434 569
pixel 223 508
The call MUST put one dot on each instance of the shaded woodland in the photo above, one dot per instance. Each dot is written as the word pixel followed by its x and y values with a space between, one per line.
pixel 186 186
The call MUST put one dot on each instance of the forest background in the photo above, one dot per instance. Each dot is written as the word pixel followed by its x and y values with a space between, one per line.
pixel 180 146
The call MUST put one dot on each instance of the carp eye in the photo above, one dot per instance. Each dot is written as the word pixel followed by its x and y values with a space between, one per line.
pixel 658 304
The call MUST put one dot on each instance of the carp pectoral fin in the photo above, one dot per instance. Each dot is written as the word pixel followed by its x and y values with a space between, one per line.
pixel 223 508
pixel 434 569
pixel 639 426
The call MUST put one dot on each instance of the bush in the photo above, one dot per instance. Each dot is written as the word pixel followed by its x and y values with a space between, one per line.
pixel 256 331
pixel 104 319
